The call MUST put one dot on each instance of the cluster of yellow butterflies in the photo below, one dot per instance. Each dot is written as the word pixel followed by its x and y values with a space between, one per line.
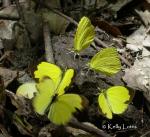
pixel 48 95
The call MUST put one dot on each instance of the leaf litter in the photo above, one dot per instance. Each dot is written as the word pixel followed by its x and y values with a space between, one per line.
pixel 27 56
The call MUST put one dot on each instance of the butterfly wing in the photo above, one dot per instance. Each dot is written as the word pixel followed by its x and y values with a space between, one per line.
pixel 43 98
pixel 65 82
pixel 106 61
pixel 84 35
pixel 62 109
pixel 118 98
pixel 27 90
pixel 104 106
pixel 52 71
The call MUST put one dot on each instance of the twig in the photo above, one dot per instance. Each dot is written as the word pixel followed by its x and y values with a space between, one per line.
pixel 2 92
pixel 20 12
pixel 4 131
pixel 125 61
pixel 21 15
pixel 56 11
pixel 6 3
pixel 87 128
pixel 6 54
pixel 95 4
pixel 76 23
pixel 100 42
pixel 9 17
pixel 48 44
pixel 145 134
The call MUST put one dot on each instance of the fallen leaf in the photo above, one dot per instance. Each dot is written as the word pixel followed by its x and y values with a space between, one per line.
pixel 145 16
pixel 57 23
pixel 10 11
pixel 8 75
pixel 148 1
pixel 138 76
pixel 23 105
pixel 106 26
pixel 6 29
pixel 118 5
pixel 139 40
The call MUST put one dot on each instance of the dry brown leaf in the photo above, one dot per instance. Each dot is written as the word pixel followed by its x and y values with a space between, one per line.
pixel 8 75
pixel 145 16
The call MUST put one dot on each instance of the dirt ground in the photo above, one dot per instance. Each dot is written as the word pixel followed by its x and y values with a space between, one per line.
pixel 29 27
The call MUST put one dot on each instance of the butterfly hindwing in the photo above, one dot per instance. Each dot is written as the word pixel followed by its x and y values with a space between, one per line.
pixel 63 108
pixel 106 61
pixel 118 98
pixel 84 35
pixel 44 96
pixel 104 106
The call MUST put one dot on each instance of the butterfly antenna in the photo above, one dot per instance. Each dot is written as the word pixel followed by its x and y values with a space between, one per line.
pixel 70 51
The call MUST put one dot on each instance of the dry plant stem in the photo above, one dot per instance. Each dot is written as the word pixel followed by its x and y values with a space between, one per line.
pixel 2 93
pixel 6 3
pixel 4 132
pixel 125 61
pixel 87 128
pixel 76 23
pixel 48 44
pixel 56 11
pixel 6 54
pixel 9 17
pixel 21 15
pixel 145 135
pixel 20 12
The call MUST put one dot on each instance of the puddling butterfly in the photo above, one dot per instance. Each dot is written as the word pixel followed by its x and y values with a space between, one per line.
pixel 84 35
pixel 50 96
pixel 114 100
pixel 106 61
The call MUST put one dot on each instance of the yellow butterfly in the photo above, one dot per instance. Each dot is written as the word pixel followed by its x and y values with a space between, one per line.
pixel 114 100
pixel 84 35
pixel 51 98
pixel 106 61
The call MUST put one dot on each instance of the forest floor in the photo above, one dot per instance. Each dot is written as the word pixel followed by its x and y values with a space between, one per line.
pixel 32 31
